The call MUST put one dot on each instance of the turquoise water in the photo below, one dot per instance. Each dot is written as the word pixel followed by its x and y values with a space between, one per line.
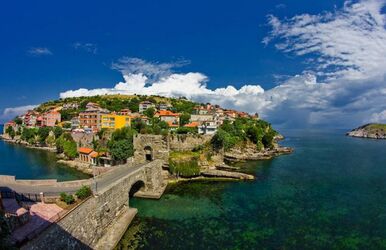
pixel 329 194
pixel 25 163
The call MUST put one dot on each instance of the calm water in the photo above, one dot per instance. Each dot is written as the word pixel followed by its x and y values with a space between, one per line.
pixel 27 163
pixel 329 194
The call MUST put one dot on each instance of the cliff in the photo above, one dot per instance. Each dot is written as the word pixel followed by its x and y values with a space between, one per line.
pixel 372 131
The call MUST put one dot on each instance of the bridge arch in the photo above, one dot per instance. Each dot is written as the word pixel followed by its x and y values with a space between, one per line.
pixel 135 187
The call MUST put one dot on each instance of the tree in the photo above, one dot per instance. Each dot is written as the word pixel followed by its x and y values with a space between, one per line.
pixel 149 112
pixel 58 131
pixel 70 150
pixel 18 121
pixel 121 150
pixel 43 133
pixel 10 132
pixel 184 119
pixel 50 140
pixel 29 135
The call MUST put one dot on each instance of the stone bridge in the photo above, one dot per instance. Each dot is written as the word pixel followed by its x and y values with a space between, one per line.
pixel 100 221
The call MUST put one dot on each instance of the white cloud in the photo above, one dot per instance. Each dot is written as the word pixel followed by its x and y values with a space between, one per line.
pixel 88 47
pixel 378 117
pixel 343 87
pixel 350 43
pixel 12 112
pixel 39 51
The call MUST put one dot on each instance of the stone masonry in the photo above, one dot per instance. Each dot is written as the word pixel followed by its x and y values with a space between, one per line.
pixel 86 224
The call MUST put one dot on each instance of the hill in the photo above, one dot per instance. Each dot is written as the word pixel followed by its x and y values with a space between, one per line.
pixel 372 130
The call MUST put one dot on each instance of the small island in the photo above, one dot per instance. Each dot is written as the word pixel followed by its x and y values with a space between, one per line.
pixel 371 130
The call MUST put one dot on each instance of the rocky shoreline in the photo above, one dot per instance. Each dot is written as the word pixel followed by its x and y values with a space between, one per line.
pixel 26 144
pixel 371 131
pixel 250 154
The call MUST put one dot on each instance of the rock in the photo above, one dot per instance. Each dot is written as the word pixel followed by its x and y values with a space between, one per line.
pixel 251 153
pixel 227 174
pixel 372 131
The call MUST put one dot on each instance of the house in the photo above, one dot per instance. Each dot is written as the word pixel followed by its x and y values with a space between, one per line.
pixel 169 117
pixel 207 128
pixel 145 105
pixel 87 155
pixel 75 123
pixel 91 118
pixel 51 118
pixel 192 125
pixel 124 112
pixel 92 105
pixel 67 106
pixel 202 118
pixel 164 106
pixel 30 118
pixel 204 110
pixel 114 121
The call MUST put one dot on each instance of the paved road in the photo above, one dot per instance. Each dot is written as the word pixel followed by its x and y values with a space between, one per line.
pixel 102 182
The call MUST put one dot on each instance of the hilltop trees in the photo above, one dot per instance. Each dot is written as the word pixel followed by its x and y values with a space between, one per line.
pixel 243 130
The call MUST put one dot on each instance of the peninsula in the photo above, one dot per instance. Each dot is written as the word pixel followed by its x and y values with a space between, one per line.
pixel 372 131
pixel 99 132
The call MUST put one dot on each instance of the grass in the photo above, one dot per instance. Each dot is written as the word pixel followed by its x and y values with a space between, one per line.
pixel 377 126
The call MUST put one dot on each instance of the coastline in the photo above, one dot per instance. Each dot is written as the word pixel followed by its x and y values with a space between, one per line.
pixel 220 172
pixel 84 168
pixel 25 144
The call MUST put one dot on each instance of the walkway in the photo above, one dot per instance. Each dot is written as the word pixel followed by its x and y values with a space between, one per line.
pixel 102 182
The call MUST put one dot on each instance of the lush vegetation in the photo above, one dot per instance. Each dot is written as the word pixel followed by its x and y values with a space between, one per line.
pixel 10 131
pixel 66 144
pixel 121 144
pixel 83 192
pixel 184 164
pixel 67 198
pixel 242 130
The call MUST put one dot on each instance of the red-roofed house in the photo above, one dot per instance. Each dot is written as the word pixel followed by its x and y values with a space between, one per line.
pixel 88 155
pixel 169 117
pixel 192 125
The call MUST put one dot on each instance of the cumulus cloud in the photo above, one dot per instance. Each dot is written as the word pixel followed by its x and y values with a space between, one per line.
pixel 88 47
pixel 342 86
pixel 12 112
pixel 39 51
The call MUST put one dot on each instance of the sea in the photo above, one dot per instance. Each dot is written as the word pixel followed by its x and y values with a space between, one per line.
pixel 330 193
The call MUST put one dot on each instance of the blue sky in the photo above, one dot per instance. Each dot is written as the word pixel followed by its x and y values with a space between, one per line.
pixel 49 48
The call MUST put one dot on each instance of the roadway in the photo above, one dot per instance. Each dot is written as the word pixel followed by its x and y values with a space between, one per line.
pixel 102 181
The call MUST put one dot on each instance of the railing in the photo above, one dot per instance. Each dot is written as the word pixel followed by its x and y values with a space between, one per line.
pixel 20 196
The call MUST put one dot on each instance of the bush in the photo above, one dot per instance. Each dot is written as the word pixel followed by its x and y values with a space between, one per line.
pixel 83 192
pixel 184 168
pixel 67 198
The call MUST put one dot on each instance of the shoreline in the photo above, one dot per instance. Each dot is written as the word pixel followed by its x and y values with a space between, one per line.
pixel 220 173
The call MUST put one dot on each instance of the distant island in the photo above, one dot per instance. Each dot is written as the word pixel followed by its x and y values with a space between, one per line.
pixel 372 131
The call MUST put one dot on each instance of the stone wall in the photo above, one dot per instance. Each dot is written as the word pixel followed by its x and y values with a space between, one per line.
pixel 162 145
pixel 159 146
pixel 87 223
pixel 187 142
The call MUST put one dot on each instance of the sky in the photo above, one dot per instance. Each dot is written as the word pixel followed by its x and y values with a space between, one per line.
pixel 304 63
